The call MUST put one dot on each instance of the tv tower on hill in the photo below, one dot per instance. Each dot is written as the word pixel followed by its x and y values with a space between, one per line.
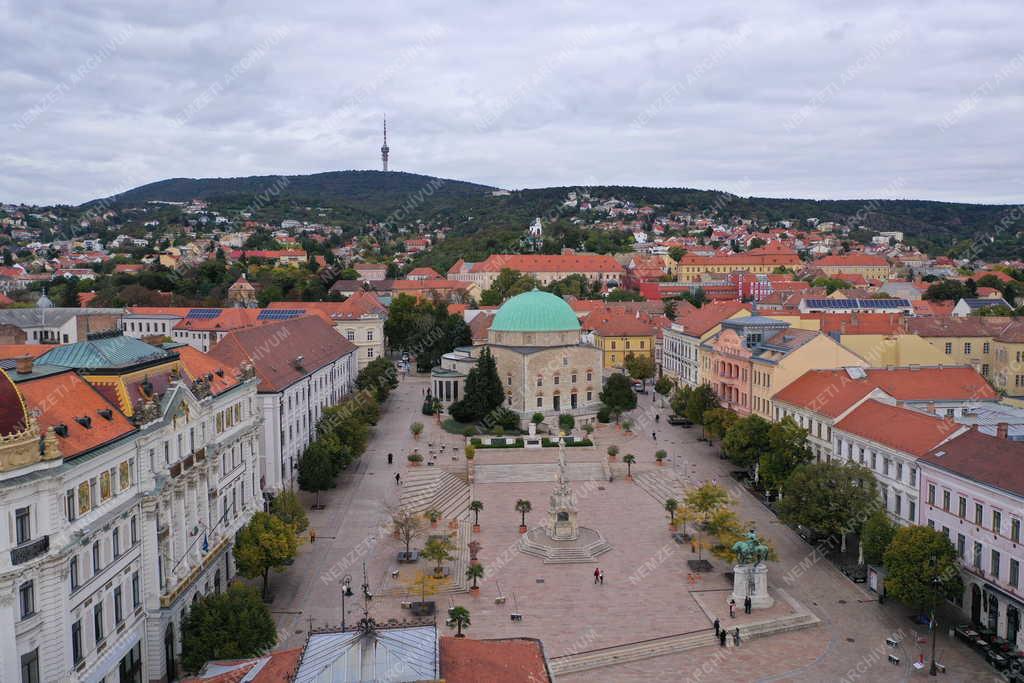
pixel 384 148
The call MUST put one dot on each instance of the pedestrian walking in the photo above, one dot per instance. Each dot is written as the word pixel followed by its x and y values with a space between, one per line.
pixel 736 637
pixel 718 626
pixel 732 608
pixel 391 458
pixel 747 604
pixel 602 577
pixel 597 575
pixel 657 418
pixel 398 478
pixel 312 535
pixel 721 637
pixel 654 436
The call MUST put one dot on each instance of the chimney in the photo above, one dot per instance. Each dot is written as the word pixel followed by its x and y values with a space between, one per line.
pixel 1002 430
pixel 23 364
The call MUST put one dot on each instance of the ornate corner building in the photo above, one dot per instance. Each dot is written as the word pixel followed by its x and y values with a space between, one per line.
pixel 125 471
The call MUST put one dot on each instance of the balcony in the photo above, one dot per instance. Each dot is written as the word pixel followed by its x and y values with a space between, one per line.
pixel 30 550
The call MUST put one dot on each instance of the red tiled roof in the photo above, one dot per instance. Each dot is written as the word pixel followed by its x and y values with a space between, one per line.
pixel 201 365
pixel 229 319
pixel 859 323
pixel 971 326
pixel 549 263
pixel 430 273
pixel 9 351
pixel 983 458
pixel 273 348
pixel 60 398
pixel 832 392
pixel 899 428
pixel 620 325
pixel 358 304
pixel 510 660
pixel 698 322
pixel 278 668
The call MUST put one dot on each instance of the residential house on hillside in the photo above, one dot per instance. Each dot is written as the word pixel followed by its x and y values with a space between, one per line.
pixel 600 270
pixel 865 265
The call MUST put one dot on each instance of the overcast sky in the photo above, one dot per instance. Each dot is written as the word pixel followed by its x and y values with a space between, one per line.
pixel 822 99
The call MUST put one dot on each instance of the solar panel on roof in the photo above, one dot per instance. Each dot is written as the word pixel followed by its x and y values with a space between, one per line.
pixel 279 314
pixel 203 313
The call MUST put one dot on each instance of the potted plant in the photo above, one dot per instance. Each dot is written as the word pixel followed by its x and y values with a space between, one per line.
pixel 659 457
pixel 459 618
pixel 566 422
pixel 629 459
pixel 474 572
pixel 414 459
pixel 433 515
pixel 671 505
pixel 588 429
pixel 612 452
pixel 476 506
pixel 416 428
pixel 470 451
pixel 523 506
pixel 627 425
pixel 474 548
pixel 537 418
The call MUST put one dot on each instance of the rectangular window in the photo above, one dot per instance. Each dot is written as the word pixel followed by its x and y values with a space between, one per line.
pixel 97 622
pixel 1014 573
pixel 993 568
pixel 30 667
pixel 961 546
pixel 23 525
pixel 911 511
pixel 118 606
pixel 967 347
pixel 945 501
pixel 977 555
pixel 27 599
pixel 115 541
pixel 135 530
pixel 73 572
pixel 931 494
pixel 899 505
pixel 1015 530
pixel 979 514
pixel 949 348
pixel 69 504
pixel 962 512
pixel 96 557
pixel 997 521
pixel 540 401
pixel 985 347
pixel 76 641
pixel 136 595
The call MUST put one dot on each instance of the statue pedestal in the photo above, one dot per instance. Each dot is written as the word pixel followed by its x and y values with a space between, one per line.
pixel 751 580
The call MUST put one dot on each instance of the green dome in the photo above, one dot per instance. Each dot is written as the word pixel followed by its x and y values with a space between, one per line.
pixel 535 311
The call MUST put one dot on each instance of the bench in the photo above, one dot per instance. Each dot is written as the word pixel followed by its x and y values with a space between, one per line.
pixel 893 659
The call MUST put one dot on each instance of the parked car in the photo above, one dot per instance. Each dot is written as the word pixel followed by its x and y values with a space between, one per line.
pixel 809 535
pixel 679 421
pixel 857 573
pixel 640 387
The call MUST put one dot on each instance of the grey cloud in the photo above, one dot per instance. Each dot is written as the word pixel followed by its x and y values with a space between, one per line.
pixel 789 98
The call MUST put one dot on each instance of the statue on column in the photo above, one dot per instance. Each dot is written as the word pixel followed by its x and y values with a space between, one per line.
pixel 750 574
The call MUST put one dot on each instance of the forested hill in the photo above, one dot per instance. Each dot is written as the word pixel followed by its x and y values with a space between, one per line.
pixel 485 223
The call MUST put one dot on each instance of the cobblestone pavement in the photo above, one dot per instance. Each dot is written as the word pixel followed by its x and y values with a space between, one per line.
pixel 567 610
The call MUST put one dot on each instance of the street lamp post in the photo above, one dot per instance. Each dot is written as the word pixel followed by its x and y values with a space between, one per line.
pixel 936 583
pixel 346 592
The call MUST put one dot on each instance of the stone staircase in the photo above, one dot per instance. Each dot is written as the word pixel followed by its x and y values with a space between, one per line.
pixel 578 555
pixel 655 647
pixel 434 488
pixel 661 484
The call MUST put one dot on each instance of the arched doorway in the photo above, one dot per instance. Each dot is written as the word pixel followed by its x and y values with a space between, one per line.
pixel 975 604
pixel 1012 625
pixel 169 653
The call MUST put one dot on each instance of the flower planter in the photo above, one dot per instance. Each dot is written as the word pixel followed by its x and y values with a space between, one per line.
pixel 660 462
pixel 474 591
pixel 629 477
pixel 433 525
pixel 473 562
pixel 611 458
pixel 476 528
pixel 522 529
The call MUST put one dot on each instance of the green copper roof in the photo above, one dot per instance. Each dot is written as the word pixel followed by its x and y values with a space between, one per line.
pixel 535 311
pixel 107 352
